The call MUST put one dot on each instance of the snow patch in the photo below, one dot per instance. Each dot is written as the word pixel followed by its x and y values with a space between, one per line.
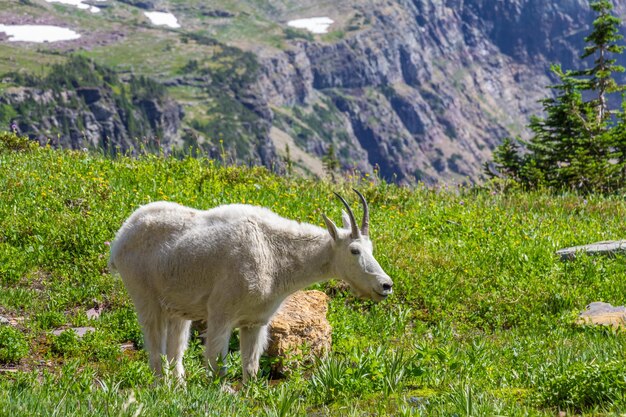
pixel 162 18
pixel 312 24
pixel 38 33
pixel 79 4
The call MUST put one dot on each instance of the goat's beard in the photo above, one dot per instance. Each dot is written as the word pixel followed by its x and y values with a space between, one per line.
pixel 366 295
pixel 358 292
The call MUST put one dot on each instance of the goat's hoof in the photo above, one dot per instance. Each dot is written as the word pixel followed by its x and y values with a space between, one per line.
pixel 227 389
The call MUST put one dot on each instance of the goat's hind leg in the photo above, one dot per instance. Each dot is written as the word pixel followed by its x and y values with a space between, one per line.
pixel 177 339
pixel 154 325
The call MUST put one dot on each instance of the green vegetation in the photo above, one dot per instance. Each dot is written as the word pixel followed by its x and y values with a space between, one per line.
pixel 67 90
pixel 231 113
pixel 13 345
pixel 481 321
pixel 580 144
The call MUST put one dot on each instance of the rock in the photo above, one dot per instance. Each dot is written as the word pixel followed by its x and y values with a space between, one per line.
pixel 127 346
pixel 300 328
pixel 89 94
pixel 143 4
pixel 603 314
pixel 608 247
pixel 11 321
pixel 217 13
pixel 93 313
pixel 92 117
pixel 80 331
pixel 424 89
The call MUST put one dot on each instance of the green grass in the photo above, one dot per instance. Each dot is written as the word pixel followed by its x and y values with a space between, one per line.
pixel 481 321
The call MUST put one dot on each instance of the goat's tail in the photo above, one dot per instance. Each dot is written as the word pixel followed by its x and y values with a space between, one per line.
pixel 111 266
pixel 112 255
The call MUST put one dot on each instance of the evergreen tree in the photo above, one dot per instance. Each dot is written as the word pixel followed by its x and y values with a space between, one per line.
pixel 330 161
pixel 507 159
pixel 579 143
pixel 602 43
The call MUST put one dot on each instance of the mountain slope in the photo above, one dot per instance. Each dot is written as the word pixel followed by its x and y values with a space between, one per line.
pixel 417 90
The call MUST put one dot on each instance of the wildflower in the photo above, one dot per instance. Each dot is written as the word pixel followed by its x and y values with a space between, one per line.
pixel 107 243
pixel 462 202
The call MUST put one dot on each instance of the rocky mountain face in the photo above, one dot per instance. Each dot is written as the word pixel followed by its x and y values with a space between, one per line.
pixel 424 89
pixel 416 90
pixel 81 104
pixel 90 117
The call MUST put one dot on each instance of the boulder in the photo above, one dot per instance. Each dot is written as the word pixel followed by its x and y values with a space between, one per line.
pixel 80 331
pixel 603 314
pixel 300 330
pixel 609 248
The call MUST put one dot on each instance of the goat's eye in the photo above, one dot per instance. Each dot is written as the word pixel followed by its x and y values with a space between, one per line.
pixel 355 251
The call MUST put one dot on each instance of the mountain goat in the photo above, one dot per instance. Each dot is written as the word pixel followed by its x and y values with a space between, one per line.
pixel 232 266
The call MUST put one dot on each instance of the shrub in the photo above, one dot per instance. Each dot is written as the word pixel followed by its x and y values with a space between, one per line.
pixel 13 345
pixel 67 343
pixel 584 385
pixel 12 142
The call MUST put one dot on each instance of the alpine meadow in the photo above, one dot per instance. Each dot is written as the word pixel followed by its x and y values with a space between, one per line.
pixel 482 320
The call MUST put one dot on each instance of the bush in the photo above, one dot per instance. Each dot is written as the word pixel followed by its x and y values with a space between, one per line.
pixel 67 343
pixel 12 142
pixel 584 385
pixel 13 345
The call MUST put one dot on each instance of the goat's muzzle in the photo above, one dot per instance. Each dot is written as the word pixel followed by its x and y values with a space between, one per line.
pixel 384 290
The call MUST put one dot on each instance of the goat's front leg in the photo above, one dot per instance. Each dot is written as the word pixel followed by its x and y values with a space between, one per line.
pixel 253 341
pixel 216 346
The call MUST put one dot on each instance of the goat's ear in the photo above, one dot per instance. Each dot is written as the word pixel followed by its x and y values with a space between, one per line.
pixel 332 229
pixel 346 220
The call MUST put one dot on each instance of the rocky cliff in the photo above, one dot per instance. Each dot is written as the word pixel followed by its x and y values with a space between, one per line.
pixel 83 105
pixel 424 89
pixel 91 118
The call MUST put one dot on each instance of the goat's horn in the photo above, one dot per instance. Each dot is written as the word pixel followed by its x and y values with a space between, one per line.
pixel 355 229
pixel 365 225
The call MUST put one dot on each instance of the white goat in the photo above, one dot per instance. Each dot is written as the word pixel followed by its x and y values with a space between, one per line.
pixel 232 266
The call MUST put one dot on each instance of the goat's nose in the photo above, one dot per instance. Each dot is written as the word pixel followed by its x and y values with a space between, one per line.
pixel 387 287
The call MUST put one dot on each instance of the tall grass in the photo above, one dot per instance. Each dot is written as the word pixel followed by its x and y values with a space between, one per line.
pixel 481 321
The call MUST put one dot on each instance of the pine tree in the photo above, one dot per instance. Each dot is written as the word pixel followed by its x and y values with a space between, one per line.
pixel 331 162
pixel 565 141
pixel 602 43
pixel 507 160
pixel 580 143
pixel 288 161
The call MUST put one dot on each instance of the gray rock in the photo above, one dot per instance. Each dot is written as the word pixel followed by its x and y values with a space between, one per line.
pixel 80 331
pixel 93 313
pixel 609 248
pixel 92 118
pixel 599 307
pixel 217 13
